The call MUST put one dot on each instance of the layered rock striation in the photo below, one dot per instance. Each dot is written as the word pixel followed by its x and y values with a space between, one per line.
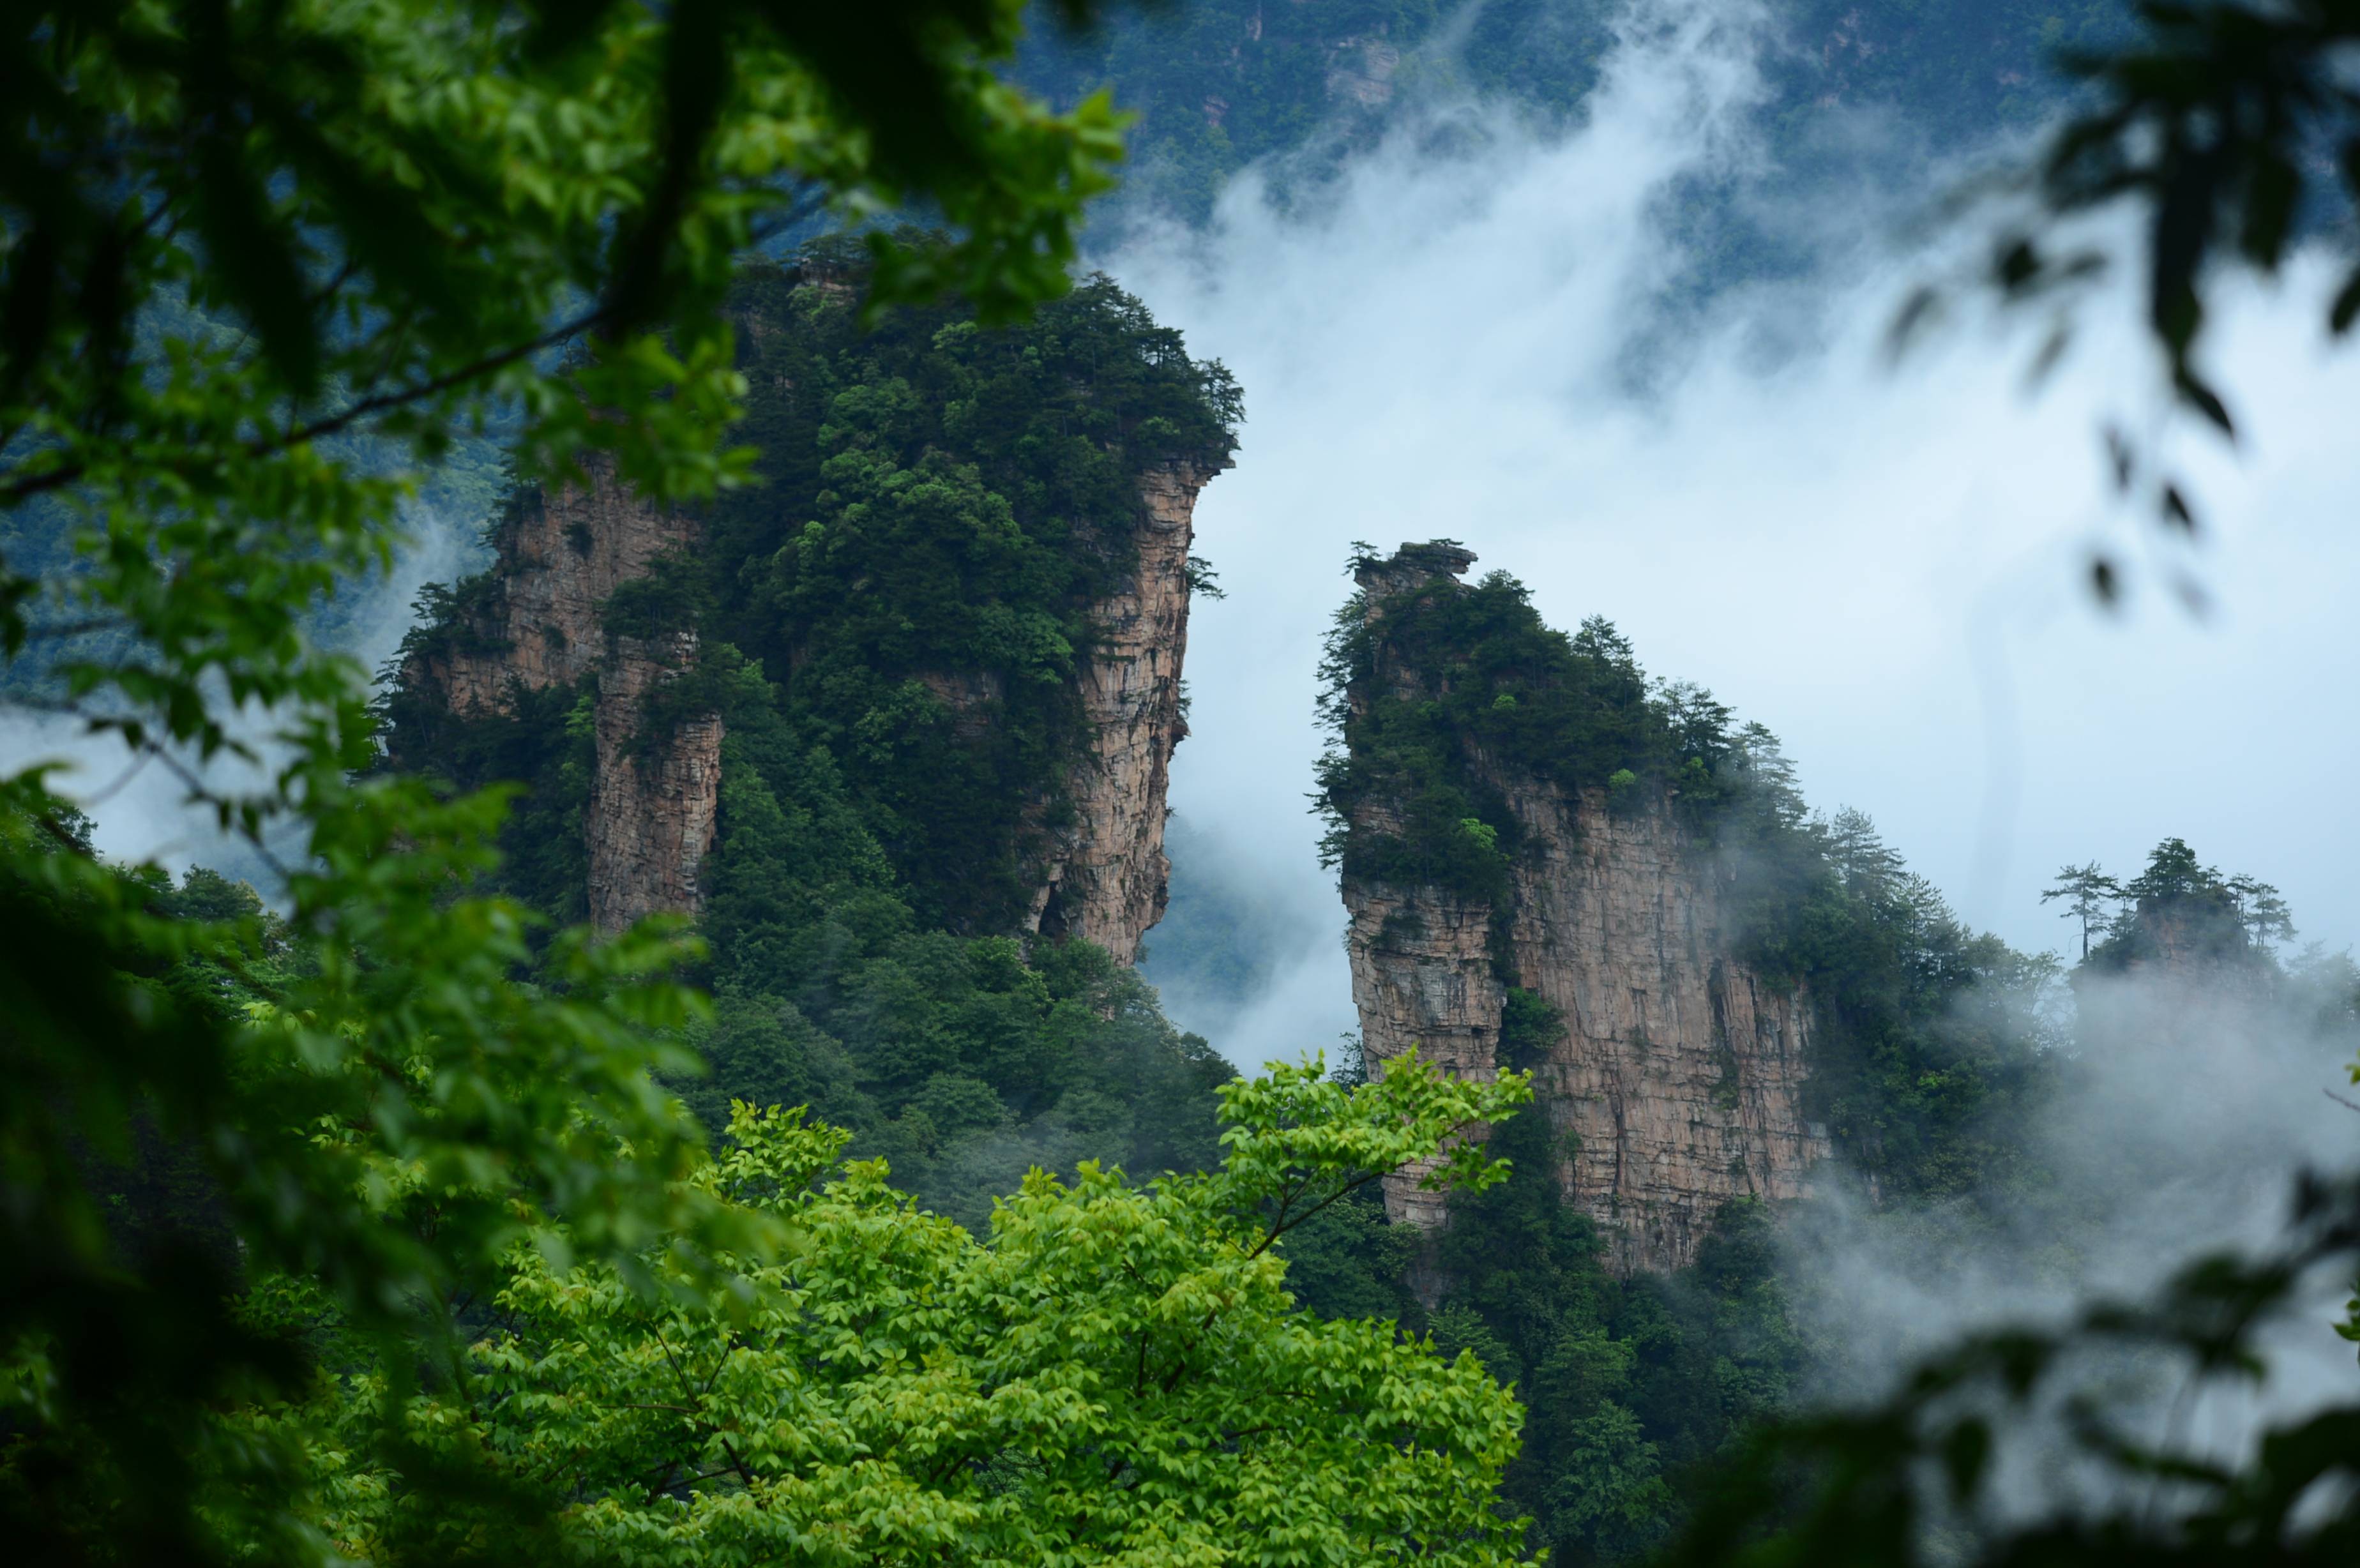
pixel 948 613
pixel 558 556
pixel 655 792
pixel 1671 1071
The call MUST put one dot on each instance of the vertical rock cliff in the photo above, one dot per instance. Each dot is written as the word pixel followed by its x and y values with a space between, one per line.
pixel 1107 878
pixel 537 624
pixel 1591 919
pixel 558 558
pixel 655 798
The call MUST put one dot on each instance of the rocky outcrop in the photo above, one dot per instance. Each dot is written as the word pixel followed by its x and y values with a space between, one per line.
pixel 1106 878
pixel 654 797
pixel 559 556
pixel 1422 976
pixel 1674 1079
pixel 1361 72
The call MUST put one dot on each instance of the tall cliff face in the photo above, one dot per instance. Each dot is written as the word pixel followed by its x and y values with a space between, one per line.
pixel 537 624
pixel 558 557
pixel 963 573
pixel 1106 878
pixel 1590 920
pixel 655 800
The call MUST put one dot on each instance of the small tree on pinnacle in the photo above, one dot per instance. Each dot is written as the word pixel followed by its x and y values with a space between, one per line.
pixel 2087 892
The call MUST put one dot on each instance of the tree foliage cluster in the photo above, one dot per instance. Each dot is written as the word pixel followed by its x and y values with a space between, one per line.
pixel 788 1357
pixel 2175 909
pixel 940 500
pixel 363 1096
pixel 889 616
pixel 1110 1373
pixel 236 238
pixel 1447 691
pixel 1937 1042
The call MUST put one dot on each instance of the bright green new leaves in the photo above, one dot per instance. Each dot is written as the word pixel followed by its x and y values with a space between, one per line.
pixel 230 233
pixel 1117 1375
pixel 1298 1140
pixel 381 1110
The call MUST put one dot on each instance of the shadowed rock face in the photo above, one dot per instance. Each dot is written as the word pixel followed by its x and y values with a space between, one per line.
pixel 1676 1084
pixel 654 799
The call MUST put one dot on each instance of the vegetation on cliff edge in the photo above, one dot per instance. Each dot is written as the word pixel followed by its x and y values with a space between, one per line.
pixel 1451 694
pixel 889 619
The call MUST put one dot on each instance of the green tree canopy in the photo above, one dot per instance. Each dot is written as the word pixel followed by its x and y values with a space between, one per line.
pixel 2088 893
pixel 1114 1375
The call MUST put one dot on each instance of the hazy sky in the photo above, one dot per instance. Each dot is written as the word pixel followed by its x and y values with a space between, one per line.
pixel 1885 567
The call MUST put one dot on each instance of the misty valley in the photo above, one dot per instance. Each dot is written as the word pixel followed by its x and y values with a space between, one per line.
pixel 619 952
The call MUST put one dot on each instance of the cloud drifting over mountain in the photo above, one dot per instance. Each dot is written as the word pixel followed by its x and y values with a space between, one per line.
pixel 1480 333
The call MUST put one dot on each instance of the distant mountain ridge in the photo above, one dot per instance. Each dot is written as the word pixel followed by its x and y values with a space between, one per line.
pixel 1297 87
